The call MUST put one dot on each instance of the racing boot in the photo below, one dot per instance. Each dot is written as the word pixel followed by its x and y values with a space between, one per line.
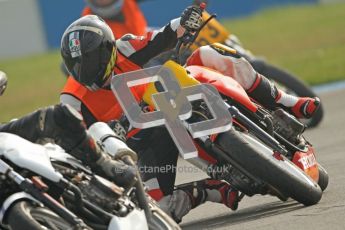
pixel 267 94
pixel 188 196
pixel 211 190
pixel 306 107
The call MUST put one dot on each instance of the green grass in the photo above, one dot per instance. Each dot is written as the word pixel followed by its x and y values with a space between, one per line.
pixel 309 41
pixel 306 40
pixel 32 82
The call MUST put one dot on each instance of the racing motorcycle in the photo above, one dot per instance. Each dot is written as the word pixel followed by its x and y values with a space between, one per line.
pixel 24 201
pixel 76 198
pixel 264 151
pixel 216 32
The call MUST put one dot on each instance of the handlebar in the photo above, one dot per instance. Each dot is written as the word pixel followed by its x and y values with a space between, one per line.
pixel 189 37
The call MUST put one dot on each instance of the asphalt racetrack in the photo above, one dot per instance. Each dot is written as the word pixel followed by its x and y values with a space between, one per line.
pixel 265 212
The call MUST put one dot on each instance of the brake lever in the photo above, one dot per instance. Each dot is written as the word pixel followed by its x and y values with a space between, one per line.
pixel 188 38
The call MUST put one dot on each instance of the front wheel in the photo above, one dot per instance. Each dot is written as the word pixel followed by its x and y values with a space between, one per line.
pixel 291 84
pixel 278 173
pixel 24 215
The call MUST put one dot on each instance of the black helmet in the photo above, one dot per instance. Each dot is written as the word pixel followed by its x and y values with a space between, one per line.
pixel 107 9
pixel 88 50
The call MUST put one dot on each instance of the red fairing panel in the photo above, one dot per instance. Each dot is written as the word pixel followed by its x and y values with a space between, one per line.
pixel 225 85
pixel 307 162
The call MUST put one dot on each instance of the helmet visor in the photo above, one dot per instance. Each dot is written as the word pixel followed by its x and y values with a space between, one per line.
pixel 94 67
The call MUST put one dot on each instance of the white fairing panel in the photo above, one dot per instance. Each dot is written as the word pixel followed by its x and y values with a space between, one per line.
pixel 28 155
pixel 57 153
pixel 135 220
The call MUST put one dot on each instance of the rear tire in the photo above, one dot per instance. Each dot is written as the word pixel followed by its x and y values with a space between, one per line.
pixel 24 215
pixel 292 84
pixel 281 175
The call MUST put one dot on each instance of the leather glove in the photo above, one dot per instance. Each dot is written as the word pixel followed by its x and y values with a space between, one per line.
pixel 191 18
pixel 122 174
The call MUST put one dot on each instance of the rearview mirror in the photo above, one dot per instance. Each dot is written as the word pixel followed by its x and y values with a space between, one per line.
pixel 3 82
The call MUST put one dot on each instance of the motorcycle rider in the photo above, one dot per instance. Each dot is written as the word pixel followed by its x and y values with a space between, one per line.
pixel 227 61
pixel 92 57
pixel 122 16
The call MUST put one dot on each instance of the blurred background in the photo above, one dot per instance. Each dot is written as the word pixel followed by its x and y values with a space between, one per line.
pixel 306 37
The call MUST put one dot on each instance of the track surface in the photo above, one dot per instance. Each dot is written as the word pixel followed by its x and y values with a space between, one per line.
pixel 264 212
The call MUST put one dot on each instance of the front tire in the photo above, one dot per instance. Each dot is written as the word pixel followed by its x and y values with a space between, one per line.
pixel 24 215
pixel 280 174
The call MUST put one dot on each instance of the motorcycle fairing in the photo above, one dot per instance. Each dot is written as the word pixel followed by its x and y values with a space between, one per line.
pixel 56 153
pixel 224 84
pixel 307 162
pixel 180 75
pixel 135 220
pixel 28 155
